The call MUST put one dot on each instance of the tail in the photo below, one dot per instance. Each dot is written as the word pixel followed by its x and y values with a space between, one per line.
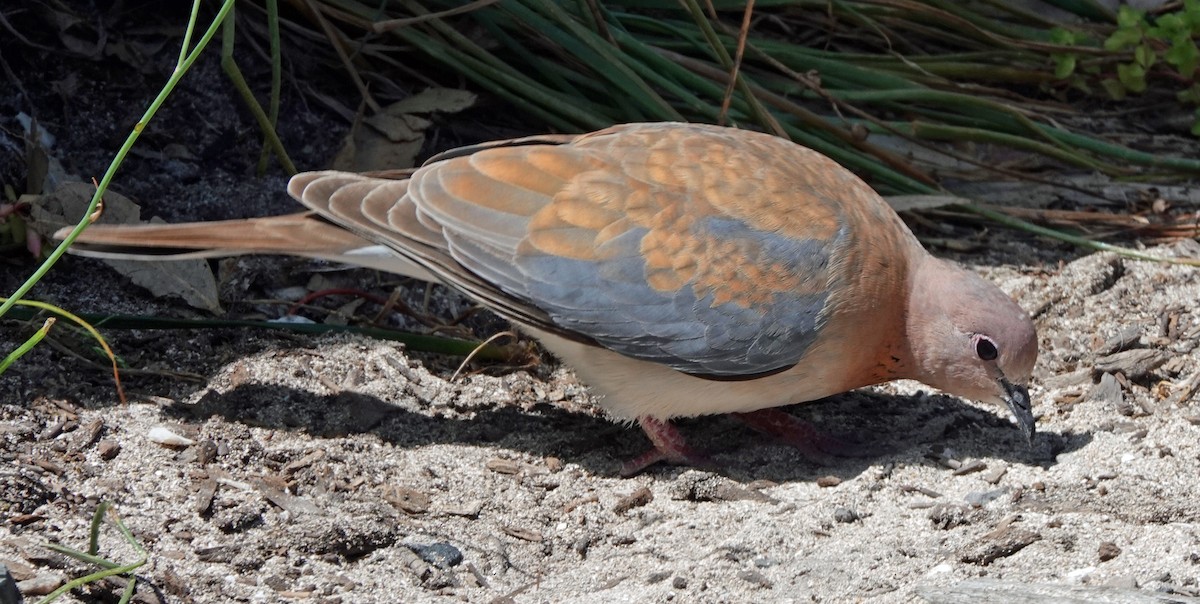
pixel 304 234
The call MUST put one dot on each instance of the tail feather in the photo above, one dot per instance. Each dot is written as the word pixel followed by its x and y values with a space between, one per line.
pixel 302 234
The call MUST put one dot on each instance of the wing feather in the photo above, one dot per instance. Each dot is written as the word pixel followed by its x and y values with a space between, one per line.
pixel 705 249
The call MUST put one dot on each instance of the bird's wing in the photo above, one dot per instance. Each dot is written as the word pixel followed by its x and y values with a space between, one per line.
pixel 708 250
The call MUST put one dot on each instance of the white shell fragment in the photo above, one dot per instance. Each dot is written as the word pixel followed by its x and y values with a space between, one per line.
pixel 165 436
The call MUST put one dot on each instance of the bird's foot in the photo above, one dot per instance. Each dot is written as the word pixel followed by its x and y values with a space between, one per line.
pixel 802 435
pixel 669 447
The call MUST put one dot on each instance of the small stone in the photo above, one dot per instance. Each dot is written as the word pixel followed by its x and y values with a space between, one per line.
pixel 1108 550
pixel 947 516
pixel 755 578
pixel 581 546
pixel 994 475
pixel 9 593
pixel 441 554
pixel 41 584
pixel 108 449
pixel 845 515
pixel 981 498
pixel 828 481
pixel 658 577
pixel 206 452
pixel 679 583
pixel 554 464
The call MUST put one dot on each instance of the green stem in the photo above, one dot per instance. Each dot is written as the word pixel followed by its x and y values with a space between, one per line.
pixel 180 69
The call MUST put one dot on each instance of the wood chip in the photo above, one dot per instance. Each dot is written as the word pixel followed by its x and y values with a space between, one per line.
pixel 1003 541
pixel 205 495
pixel 635 499
pixel 24 519
pixel 304 462
pixel 578 501
pixel 1122 340
pixel 1107 391
pixel 1135 364
pixel 49 466
pixel 970 468
pixel 468 509
pixel 503 466
pixel 407 500
pixel 922 490
pixel 290 503
pixel 523 534
pixel 88 435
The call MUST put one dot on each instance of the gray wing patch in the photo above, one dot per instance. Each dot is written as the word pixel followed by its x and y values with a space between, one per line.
pixel 611 302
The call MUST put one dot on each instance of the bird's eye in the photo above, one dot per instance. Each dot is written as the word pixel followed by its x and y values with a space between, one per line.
pixel 986 348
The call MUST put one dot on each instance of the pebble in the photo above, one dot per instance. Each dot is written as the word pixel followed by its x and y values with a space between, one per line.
pixel 1108 550
pixel 41 584
pixel 442 555
pixel 828 481
pixel 108 449
pixel 845 515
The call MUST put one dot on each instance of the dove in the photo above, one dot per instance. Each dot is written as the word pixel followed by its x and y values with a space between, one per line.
pixel 680 269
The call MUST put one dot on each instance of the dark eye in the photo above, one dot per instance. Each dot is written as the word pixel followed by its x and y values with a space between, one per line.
pixel 986 348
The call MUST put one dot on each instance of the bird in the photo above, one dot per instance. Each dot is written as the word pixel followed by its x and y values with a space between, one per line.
pixel 681 269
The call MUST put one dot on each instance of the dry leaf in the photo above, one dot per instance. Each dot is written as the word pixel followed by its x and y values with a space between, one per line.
pixel 430 100
pixel 396 135
pixel 191 280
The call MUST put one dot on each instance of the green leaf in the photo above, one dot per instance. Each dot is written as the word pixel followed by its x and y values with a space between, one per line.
pixel 1064 66
pixel 1132 77
pixel 1184 55
pixel 1144 56
pixel 1191 15
pixel 1170 24
pixel 1122 39
pixel 1114 88
pixel 1190 95
pixel 1062 36
pixel 1128 17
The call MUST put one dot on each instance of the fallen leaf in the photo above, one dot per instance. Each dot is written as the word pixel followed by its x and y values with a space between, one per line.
pixel 191 280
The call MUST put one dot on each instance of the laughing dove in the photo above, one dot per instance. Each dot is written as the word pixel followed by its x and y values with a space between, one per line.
pixel 680 269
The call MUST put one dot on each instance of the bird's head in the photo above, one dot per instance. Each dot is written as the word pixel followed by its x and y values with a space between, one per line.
pixel 970 339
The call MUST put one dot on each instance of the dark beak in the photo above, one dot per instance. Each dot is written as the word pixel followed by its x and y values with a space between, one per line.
pixel 1017 399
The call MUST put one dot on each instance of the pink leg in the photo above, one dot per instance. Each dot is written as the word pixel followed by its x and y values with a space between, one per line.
pixel 799 434
pixel 669 447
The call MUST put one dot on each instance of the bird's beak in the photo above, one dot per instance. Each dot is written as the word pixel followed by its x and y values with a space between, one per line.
pixel 1017 399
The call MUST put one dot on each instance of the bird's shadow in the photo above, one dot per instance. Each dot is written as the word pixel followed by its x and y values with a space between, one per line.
pixel 895 429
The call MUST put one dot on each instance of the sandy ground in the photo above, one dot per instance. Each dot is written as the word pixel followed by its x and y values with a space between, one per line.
pixel 340 468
